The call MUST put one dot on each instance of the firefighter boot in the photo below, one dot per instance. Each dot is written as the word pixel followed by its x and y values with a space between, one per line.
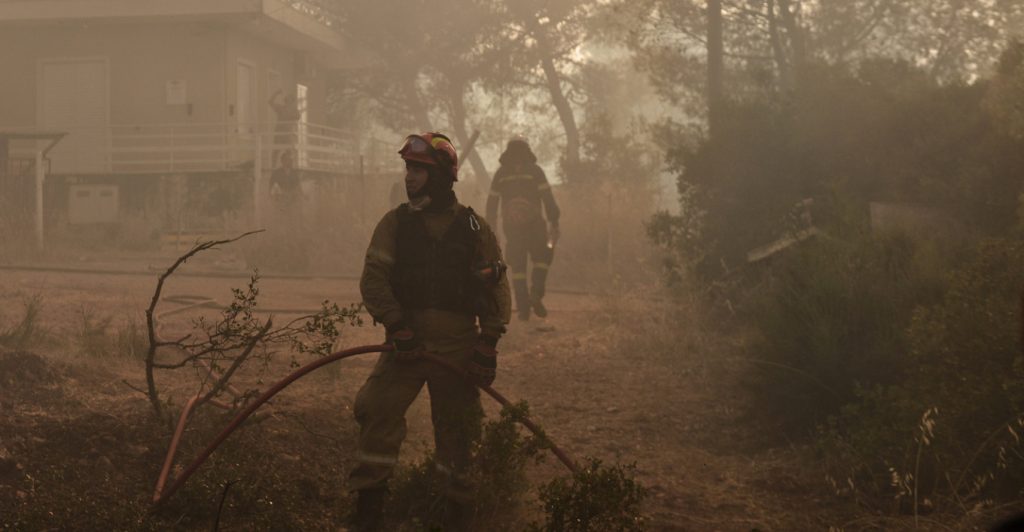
pixel 537 289
pixel 369 514
pixel 522 294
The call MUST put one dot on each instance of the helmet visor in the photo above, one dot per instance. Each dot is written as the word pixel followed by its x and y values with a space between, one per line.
pixel 415 144
pixel 432 149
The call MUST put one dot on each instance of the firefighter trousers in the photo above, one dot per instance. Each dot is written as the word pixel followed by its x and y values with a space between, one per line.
pixel 380 409
pixel 528 246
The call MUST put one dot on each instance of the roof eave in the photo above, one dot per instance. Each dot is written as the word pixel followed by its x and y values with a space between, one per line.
pixel 302 31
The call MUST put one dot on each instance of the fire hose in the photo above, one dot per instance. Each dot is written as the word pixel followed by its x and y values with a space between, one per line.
pixel 160 495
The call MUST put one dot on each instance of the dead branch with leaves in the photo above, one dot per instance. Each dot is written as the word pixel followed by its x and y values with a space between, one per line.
pixel 216 349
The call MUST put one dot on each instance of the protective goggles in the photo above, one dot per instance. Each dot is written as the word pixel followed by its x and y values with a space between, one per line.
pixel 432 149
pixel 415 144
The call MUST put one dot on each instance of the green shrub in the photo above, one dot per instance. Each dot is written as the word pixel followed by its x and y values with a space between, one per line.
pixel 500 460
pixel 964 365
pixel 831 318
pixel 597 499
pixel 497 474
pixel 882 132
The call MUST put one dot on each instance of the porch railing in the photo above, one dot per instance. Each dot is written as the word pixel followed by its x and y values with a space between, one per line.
pixel 216 147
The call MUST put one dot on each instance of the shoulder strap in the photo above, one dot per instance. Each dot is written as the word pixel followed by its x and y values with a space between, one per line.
pixel 466 226
pixel 470 218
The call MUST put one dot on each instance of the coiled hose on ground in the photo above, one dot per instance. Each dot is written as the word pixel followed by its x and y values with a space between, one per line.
pixel 160 494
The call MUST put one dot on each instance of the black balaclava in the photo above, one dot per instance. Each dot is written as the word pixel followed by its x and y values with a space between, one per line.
pixel 437 193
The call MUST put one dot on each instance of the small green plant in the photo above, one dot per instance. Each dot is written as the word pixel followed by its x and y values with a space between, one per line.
pixel 497 475
pixel 417 495
pixel 500 460
pixel 598 498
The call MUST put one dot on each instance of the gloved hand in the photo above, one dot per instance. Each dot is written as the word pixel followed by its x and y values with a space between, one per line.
pixel 554 233
pixel 407 345
pixel 490 272
pixel 484 364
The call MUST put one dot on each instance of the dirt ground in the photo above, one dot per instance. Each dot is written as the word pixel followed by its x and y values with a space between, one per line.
pixel 79 450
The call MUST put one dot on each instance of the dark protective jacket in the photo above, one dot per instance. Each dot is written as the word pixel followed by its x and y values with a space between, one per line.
pixel 521 189
pixel 437 272
pixel 441 306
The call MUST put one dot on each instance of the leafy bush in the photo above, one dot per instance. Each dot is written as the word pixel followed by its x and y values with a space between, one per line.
pixel 909 348
pixel 497 474
pixel 831 318
pixel 597 499
pixel 1003 100
pixel 500 459
pixel 884 132
pixel 965 366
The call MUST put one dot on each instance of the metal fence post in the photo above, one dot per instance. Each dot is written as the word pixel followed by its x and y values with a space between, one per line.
pixel 257 182
pixel 40 175
pixel 362 192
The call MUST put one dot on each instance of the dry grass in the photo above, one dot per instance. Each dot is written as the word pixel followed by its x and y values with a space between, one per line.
pixel 28 331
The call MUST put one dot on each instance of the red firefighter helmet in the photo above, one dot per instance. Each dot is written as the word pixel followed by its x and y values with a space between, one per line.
pixel 432 149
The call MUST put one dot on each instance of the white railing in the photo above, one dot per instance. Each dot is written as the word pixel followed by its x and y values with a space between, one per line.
pixel 216 147
pixel 172 148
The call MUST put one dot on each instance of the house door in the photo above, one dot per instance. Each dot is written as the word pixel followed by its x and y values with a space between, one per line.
pixel 74 99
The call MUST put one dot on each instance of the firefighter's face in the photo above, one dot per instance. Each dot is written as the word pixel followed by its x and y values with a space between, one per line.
pixel 415 179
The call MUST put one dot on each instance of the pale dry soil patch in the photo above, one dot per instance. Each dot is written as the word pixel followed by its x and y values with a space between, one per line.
pixel 78 433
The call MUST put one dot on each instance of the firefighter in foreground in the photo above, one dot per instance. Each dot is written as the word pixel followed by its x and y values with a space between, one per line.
pixel 521 188
pixel 433 277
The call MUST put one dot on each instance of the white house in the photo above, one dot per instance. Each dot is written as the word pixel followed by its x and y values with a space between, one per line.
pixel 144 90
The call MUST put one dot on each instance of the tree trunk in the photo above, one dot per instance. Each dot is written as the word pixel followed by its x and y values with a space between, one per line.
pixel 778 50
pixel 715 49
pixel 789 14
pixel 458 119
pixel 561 103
